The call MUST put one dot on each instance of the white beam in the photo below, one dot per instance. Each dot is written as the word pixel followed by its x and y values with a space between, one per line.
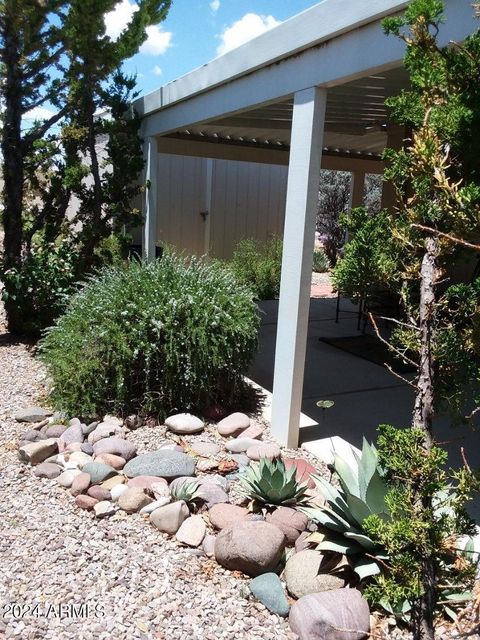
pixel 299 234
pixel 150 199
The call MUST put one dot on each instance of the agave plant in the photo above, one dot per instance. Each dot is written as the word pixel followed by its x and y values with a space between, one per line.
pixel 362 493
pixel 186 490
pixel 270 483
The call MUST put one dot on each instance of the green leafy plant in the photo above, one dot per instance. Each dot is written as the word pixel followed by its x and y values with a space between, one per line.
pixel 258 264
pixel 361 493
pixel 269 483
pixel 187 490
pixel 320 261
pixel 42 285
pixel 176 334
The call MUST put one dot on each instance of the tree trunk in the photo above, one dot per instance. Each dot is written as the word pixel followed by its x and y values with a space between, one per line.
pixel 422 418
pixel 12 159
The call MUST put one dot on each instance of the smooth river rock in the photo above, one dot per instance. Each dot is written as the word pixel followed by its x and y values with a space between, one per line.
pixel 162 463
pixel 169 518
pixel 269 590
pixel 303 575
pixel 254 547
pixel 192 531
pixel 99 472
pixel 341 614
pixel 117 446
pixel 233 425
pixel 184 424
pixel 36 452
pixel 32 414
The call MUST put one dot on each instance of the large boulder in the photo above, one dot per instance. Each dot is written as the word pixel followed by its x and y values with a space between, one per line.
pixel 254 547
pixel 36 452
pixel 224 515
pixel 162 463
pixel 290 521
pixel 303 574
pixel 341 614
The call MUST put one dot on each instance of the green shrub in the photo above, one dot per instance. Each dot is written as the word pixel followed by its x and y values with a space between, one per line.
pixel 320 261
pixel 41 286
pixel 160 337
pixel 258 264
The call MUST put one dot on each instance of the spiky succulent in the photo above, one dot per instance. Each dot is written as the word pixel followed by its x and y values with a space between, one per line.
pixel 186 490
pixel 362 493
pixel 270 483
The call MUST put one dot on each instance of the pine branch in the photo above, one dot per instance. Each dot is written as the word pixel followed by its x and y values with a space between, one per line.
pixel 447 236
pixel 38 133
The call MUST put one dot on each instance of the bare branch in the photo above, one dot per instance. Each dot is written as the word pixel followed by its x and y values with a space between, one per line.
pixel 402 324
pixel 389 345
pixel 397 375
pixel 447 236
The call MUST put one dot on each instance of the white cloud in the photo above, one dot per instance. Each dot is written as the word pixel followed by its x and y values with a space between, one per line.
pixel 243 30
pixel 215 5
pixel 157 71
pixel 158 40
pixel 38 113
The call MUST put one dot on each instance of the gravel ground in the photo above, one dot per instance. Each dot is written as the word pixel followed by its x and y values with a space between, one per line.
pixel 136 582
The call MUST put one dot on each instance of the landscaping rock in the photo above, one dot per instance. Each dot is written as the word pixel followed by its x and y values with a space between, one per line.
pixel 205 449
pixel 233 425
pixel 99 493
pixel 251 547
pixel 212 494
pixel 184 423
pixel 254 431
pixel 113 482
pixel 290 521
pixel 36 452
pixel 115 491
pixel 160 490
pixel 66 478
pixel 304 470
pixel 162 463
pixel 70 448
pixel 74 421
pixel 112 420
pixel 104 509
pixel 146 482
pixel 241 459
pixel 133 422
pixel 85 502
pixel 169 518
pixel 32 414
pixel 192 531
pixel 116 462
pixel 32 436
pixel 54 430
pixel 303 575
pixel 133 500
pixel 80 484
pixel 214 478
pixel 78 459
pixel 268 589
pixel 47 470
pixel 240 445
pixel 87 448
pixel 207 465
pixel 105 430
pixel 117 446
pixel 208 545
pixel 225 515
pixel 73 434
pixel 88 428
pixel 341 614
pixel 156 504
pixel 99 472
pixel 268 450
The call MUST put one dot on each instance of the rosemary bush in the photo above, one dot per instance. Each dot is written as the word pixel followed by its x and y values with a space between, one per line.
pixel 155 338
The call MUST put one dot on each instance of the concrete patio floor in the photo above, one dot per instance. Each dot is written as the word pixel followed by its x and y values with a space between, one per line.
pixel 365 394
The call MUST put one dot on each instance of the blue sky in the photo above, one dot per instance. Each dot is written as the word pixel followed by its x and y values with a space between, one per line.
pixel 196 31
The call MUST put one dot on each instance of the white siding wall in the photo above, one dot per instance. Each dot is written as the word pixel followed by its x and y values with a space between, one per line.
pixel 248 200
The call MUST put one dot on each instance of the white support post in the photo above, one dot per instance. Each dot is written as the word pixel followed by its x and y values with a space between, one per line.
pixel 298 242
pixel 150 199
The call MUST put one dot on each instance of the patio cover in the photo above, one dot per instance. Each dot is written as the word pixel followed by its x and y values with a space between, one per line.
pixel 309 93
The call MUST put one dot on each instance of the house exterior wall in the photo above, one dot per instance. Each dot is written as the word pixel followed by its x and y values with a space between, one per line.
pixel 247 199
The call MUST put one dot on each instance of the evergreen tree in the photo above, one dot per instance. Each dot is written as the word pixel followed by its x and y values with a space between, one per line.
pixel 414 248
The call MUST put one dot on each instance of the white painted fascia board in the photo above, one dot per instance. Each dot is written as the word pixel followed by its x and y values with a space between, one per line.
pixel 313 26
